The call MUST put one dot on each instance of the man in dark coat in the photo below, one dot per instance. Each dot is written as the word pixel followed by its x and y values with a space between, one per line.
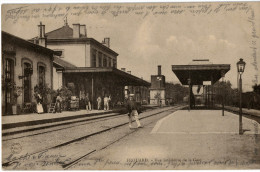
pixel 132 111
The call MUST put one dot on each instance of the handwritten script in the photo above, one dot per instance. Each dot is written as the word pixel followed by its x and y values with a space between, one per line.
pixel 253 45
pixel 164 163
pixel 43 159
pixel 142 10
pixel 61 11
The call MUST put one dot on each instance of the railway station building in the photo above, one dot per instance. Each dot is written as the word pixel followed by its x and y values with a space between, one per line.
pixel 88 66
pixel 24 65
pixel 203 74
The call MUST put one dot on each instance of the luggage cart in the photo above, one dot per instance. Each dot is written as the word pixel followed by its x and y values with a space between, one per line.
pixel 74 103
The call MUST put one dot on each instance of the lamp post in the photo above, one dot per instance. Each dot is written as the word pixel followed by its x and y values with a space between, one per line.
pixel 240 69
pixel 189 82
pixel 223 75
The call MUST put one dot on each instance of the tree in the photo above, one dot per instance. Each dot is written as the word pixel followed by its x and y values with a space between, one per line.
pixel 176 92
pixel 224 89
pixel 158 97
pixel 254 98
pixel 256 89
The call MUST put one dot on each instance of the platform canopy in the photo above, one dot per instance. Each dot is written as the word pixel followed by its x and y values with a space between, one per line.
pixel 199 71
pixel 120 77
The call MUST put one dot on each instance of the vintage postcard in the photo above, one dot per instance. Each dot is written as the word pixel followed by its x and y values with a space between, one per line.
pixel 130 86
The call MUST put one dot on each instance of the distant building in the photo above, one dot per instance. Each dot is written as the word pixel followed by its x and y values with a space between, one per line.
pixel 157 90
pixel 141 93
pixel 25 65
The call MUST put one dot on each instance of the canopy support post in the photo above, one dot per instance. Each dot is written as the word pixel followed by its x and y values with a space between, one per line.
pixel 189 82
pixel 212 92
pixel 92 90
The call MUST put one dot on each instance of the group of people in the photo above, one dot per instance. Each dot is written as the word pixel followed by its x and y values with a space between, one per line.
pixel 39 105
pixel 131 106
pixel 106 100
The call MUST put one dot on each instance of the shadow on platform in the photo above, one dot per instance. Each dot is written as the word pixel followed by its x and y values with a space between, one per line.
pixel 202 107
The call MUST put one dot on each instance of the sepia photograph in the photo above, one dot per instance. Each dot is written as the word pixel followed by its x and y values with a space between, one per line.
pixel 130 86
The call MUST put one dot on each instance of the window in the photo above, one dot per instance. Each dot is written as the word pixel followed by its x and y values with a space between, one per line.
pixel 41 74
pixel 9 67
pixel 114 63
pixel 94 58
pixel 109 62
pixel 60 51
pixel 99 59
pixel 104 61
pixel 9 77
pixel 27 83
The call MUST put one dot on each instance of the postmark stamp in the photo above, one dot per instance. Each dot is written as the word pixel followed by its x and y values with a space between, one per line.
pixel 16 148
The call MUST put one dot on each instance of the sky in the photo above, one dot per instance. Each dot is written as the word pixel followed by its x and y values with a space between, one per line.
pixel 144 39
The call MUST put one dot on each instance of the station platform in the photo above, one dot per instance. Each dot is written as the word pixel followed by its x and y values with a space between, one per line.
pixel 14 121
pixel 204 122
pixel 187 140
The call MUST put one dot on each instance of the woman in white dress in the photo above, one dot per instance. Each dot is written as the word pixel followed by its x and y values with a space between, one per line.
pixel 39 104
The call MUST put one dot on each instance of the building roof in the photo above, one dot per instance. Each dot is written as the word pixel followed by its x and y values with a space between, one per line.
pixel 60 33
pixel 200 73
pixel 200 62
pixel 59 63
pixel 65 35
pixel 122 78
pixel 7 37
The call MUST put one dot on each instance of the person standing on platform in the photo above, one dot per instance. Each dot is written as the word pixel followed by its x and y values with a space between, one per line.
pixel 109 103
pixel 106 106
pixel 99 102
pixel 87 102
pixel 39 104
pixel 132 111
pixel 58 103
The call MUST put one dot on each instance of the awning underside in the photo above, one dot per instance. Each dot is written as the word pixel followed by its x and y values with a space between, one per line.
pixel 119 77
pixel 199 73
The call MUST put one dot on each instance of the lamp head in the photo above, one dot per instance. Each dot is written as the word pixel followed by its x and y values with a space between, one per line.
pixel 241 66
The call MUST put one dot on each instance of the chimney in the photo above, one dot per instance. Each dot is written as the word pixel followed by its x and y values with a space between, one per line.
pixel 76 30
pixel 83 31
pixel 40 30
pixel 159 70
pixel 106 42
pixel 41 36
pixel 123 69
pixel 129 72
pixel 66 22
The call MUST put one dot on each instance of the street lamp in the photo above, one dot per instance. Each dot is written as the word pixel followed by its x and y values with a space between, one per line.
pixel 189 82
pixel 240 69
pixel 223 75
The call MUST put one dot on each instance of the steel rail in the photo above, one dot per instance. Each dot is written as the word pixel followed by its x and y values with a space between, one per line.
pixel 8 163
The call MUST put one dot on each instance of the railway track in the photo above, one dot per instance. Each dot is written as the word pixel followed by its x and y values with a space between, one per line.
pixel 68 124
pixel 247 115
pixel 79 123
pixel 76 160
